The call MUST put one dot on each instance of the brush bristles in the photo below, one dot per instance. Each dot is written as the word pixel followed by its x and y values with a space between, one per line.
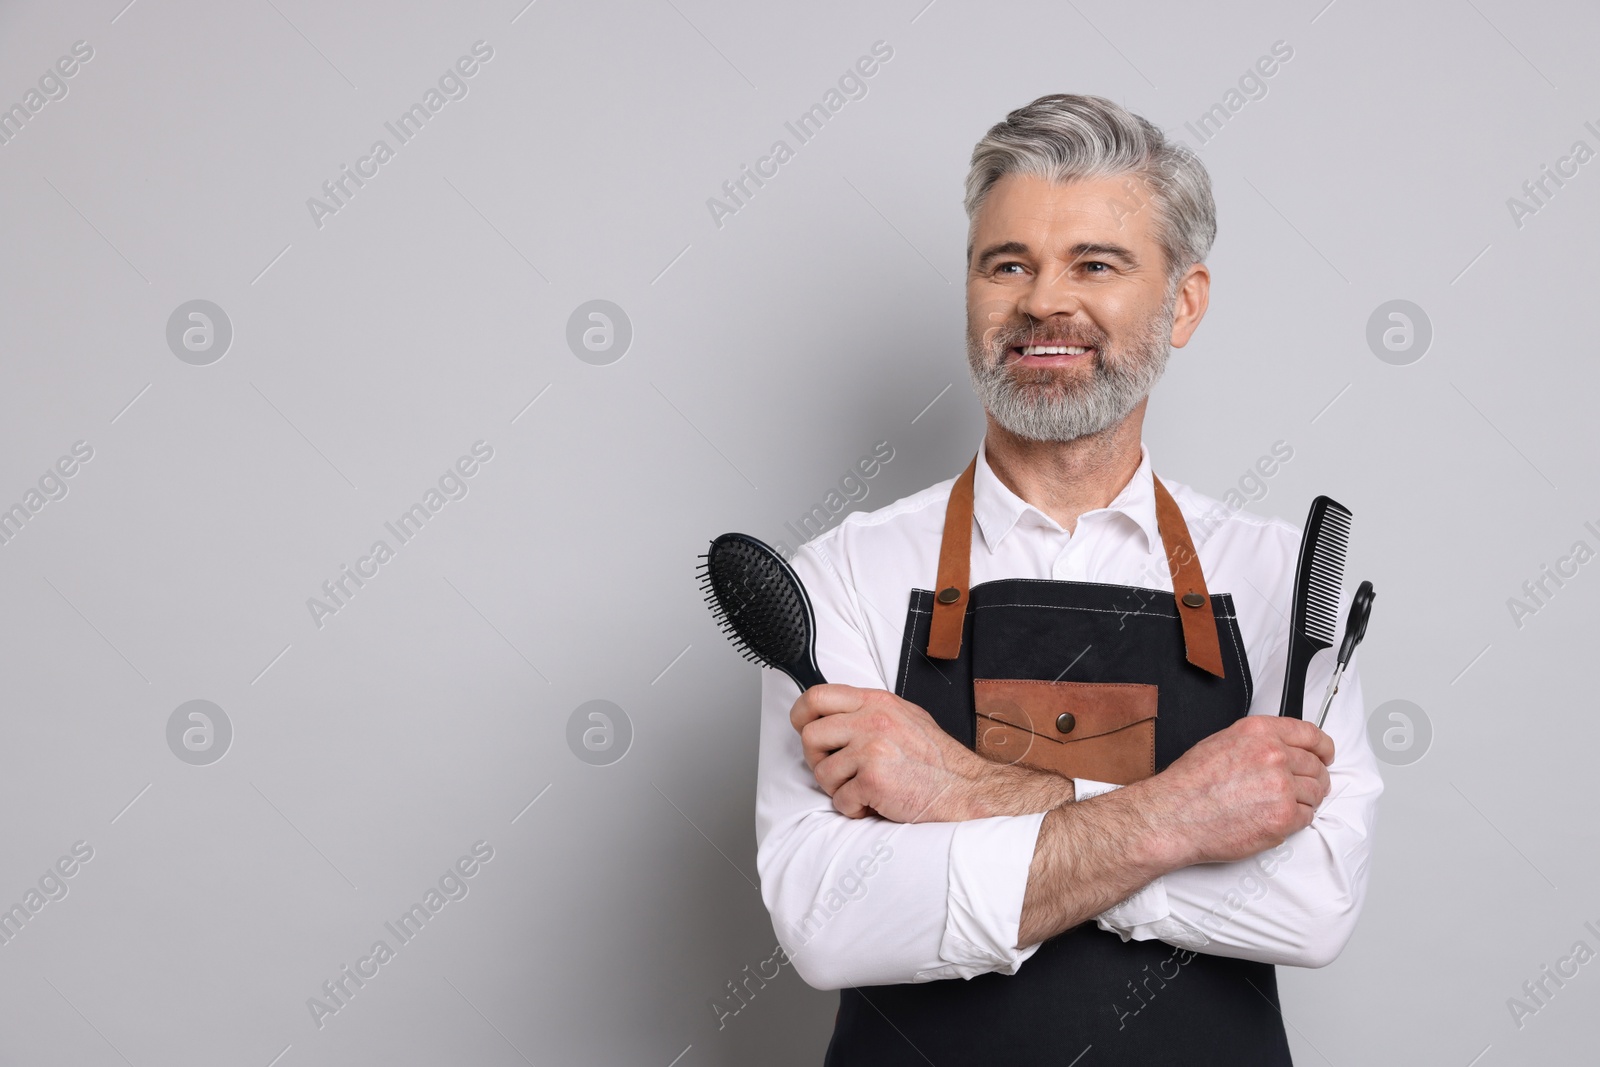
pixel 1330 542
pixel 725 624
pixel 757 601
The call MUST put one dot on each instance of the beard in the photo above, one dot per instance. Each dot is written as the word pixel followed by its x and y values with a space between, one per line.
pixel 1066 403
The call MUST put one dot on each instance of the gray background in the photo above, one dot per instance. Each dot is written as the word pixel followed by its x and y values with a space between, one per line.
pixel 767 356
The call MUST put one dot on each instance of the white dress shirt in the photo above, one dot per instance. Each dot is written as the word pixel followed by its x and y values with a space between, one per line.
pixel 872 902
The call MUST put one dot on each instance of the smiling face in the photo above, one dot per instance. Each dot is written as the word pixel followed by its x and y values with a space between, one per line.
pixel 1069 317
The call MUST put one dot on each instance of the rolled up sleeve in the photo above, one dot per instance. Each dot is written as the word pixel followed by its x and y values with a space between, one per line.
pixel 1297 904
pixel 989 862
pixel 868 901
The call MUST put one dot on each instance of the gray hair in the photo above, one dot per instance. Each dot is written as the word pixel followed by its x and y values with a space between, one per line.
pixel 1064 138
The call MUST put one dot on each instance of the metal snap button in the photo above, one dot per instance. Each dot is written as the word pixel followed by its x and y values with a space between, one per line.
pixel 949 595
pixel 1193 600
pixel 1065 722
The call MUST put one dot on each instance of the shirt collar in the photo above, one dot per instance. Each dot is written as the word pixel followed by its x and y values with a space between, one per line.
pixel 999 510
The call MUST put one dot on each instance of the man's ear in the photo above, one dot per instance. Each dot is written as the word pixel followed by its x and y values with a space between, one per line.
pixel 1193 297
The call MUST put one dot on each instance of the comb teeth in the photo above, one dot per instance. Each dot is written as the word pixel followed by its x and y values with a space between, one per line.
pixel 1325 582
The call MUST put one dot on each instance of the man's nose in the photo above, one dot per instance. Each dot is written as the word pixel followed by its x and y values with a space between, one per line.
pixel 1053 292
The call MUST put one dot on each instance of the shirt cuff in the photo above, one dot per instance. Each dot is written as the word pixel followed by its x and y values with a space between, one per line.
pixel 989 862
pixel 1084 788
pixel 1146 914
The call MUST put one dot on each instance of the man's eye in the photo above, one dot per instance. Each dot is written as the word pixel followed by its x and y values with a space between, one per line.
pixel 1005 268
pixel 1096 267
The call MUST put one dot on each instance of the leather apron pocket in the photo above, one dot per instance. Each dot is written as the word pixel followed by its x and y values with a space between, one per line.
pixel 1101 731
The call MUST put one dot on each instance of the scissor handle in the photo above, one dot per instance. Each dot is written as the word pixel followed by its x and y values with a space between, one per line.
pixel 1356 627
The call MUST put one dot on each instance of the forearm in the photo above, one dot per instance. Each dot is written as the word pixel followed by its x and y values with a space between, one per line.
pixel 1089 855
pixel 1008 789
pixel 871 902
pixel 1293 905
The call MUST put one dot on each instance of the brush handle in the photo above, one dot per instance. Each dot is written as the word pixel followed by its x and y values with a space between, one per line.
pixel 805 675
pixel 805 672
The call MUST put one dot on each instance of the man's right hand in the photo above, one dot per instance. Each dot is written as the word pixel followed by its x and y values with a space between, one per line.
pixel 1240 791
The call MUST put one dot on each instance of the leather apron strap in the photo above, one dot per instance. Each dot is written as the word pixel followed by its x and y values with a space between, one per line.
pixel 955 568
pixel 1195 610
pixel 1188 585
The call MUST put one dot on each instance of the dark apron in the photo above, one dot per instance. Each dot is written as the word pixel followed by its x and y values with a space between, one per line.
pixel 1085 990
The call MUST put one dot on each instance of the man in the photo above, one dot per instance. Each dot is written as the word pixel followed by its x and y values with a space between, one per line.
pixel 1065 604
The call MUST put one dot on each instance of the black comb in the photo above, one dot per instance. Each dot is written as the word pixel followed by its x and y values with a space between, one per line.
pixel 1318 579
pixel 760 604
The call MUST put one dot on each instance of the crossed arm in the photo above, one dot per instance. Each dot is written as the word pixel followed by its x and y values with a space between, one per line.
pixel 890 853
pixel 1237 793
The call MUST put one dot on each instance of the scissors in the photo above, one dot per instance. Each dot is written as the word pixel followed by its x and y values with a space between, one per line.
pixel 1355 628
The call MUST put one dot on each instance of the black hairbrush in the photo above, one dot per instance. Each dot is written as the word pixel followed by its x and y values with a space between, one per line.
pixel 760 604
pixel 1317 581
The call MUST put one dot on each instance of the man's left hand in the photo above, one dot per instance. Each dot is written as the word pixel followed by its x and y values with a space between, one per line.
pixel 874 753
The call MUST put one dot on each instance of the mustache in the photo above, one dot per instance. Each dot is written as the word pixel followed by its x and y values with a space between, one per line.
pixel 1002 338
